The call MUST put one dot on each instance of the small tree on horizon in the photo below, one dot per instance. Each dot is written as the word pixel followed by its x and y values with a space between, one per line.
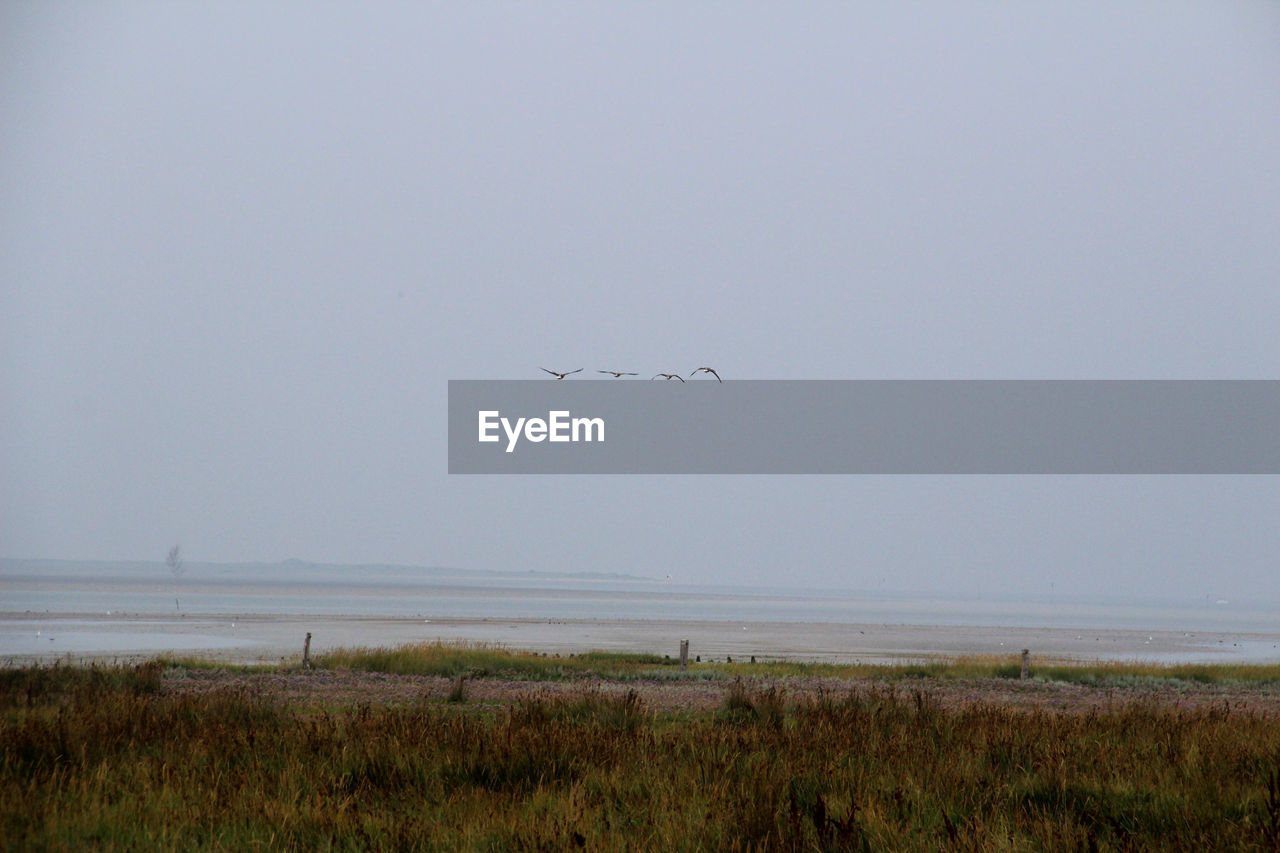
pixel 176 568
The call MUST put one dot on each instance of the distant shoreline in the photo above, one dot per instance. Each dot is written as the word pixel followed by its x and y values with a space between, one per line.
pixel 268 638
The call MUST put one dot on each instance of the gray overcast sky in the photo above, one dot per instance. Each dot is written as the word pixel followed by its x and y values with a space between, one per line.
pixel 244 246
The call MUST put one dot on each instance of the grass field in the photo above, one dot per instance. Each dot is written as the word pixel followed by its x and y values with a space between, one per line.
pixel 113 757
pixel 452 659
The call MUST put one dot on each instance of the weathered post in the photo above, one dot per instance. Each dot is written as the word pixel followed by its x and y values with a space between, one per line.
pixel 1026 664
pixel 306 652
pixel 684 654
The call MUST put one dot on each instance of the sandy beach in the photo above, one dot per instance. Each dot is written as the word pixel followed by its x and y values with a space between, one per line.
pixel 269 638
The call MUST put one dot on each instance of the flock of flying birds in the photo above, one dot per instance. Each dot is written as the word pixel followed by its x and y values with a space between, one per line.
pixel 618 374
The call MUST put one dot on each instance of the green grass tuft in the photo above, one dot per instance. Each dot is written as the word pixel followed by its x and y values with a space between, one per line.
pixel 488 661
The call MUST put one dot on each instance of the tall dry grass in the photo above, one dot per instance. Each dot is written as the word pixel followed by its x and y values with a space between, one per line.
pixel 109 759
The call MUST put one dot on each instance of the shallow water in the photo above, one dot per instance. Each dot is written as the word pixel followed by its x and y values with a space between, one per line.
pixel 100 608
pixel 63 636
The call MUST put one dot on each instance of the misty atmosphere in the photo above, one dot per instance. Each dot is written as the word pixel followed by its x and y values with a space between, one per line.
pixel 243 249
pixel 261 263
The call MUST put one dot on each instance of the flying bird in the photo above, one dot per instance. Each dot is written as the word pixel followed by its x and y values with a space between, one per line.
pixel 617 374
pixel 562 375
pixel 668 376
pixel 708 370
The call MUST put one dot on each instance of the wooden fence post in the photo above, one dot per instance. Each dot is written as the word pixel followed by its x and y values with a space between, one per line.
pixel 306 652
pixel 1026 664
pixel 684 654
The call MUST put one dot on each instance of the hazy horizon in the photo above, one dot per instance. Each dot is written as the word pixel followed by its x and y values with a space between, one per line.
pixel 244 247
pixel 198 575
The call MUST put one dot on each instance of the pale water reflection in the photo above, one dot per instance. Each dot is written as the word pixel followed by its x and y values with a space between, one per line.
pixel 103 609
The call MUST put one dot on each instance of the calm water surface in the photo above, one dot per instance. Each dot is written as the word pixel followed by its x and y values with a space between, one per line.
pixel 33 594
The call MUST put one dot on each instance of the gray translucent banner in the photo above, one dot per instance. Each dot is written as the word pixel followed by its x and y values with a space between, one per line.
pixel 864 427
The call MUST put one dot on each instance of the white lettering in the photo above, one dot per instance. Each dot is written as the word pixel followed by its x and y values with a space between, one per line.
pixel 513 435
pixel 486 424
pixel 587 424
pixel 558 427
